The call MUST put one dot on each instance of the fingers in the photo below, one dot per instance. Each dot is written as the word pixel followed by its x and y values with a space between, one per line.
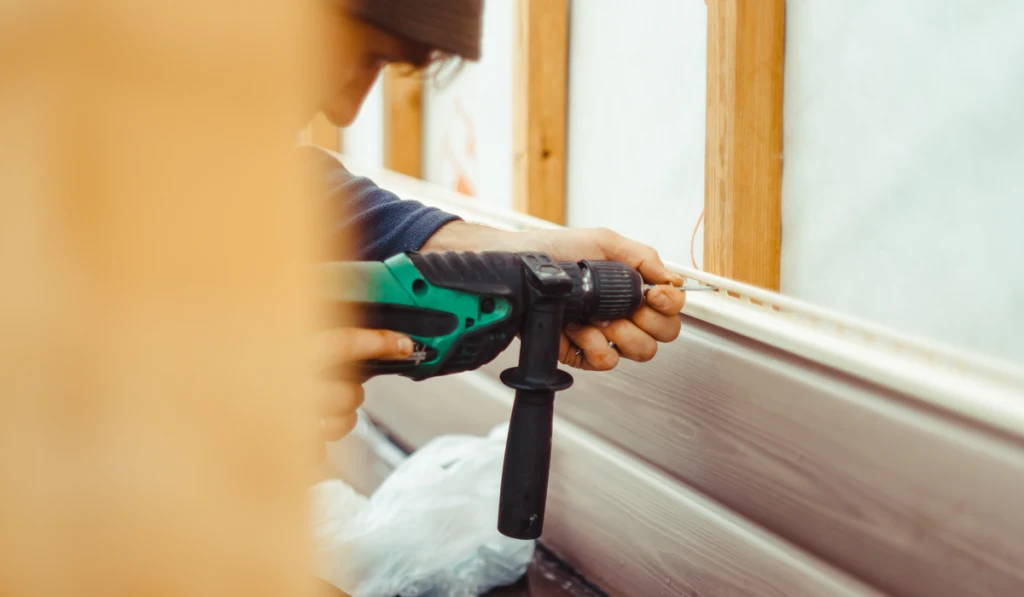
pixel 640 257
pixel 660 327
pixel 347 345
pixel 340 399
pixel 337 409
pixel 569 354
pixel 635 339
pixel 667 300
pixel 596 355
pixel 336 428
pixel 634 343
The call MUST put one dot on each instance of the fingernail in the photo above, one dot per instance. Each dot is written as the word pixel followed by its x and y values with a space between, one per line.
pixel 602 324
pixel 405 345
pixel 573 327
pixel 660 300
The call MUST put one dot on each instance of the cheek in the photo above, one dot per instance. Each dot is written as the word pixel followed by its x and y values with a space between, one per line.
pixel 363 84
pixel 349 95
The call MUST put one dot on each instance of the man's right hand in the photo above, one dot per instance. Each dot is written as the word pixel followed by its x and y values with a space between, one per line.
pixel 337 398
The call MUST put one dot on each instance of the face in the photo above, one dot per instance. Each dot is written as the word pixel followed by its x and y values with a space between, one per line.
pixel 356 51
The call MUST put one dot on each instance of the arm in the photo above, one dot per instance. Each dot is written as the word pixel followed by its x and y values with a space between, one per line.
pixel 372 221
pixel 384 225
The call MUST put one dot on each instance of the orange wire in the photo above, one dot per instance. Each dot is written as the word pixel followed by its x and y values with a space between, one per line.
pixel 693 240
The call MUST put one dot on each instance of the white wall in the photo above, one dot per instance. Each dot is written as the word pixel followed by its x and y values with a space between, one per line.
pixel 636 120
pixel 364 138
pixel 468 120
pixel 903 184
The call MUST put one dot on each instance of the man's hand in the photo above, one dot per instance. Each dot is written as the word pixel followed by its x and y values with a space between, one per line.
pixel 637 338
pixel 338 399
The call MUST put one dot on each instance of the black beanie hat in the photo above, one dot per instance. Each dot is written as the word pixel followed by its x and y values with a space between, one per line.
pixel 451 26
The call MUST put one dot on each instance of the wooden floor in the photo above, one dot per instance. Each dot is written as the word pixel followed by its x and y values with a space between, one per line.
pixel 547 577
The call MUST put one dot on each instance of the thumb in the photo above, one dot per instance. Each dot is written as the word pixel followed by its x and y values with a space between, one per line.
pixel 643 259
pixel 348 345
pixel 653 271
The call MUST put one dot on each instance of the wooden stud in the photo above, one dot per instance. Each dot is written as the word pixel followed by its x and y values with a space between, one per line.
pixel 323 133
pixel 403 121
pixel 743 163
pixel 539 108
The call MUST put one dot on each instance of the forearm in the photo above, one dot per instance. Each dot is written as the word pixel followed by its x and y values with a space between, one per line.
pixel 459 236
pixel 464 236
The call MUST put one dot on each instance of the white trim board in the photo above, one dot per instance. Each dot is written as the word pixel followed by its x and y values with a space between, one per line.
pixel 623 525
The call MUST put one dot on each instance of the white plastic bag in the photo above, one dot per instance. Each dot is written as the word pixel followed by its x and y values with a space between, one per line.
pixel 430 529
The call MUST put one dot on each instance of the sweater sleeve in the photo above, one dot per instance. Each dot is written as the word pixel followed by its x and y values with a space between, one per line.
pixel 375 223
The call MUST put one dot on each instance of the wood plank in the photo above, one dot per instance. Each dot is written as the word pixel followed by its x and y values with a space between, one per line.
pixel 624 526
pixel 743 158
pixel 403 121
pixel 908 497
pixel 539 108
pixel 324 134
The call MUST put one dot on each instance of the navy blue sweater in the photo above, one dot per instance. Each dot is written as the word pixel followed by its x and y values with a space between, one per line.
pixel 374 222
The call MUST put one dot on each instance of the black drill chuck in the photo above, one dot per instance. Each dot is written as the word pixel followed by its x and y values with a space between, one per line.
pixel 602 291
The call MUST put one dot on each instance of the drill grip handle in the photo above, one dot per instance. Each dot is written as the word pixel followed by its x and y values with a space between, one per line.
pixel 524 476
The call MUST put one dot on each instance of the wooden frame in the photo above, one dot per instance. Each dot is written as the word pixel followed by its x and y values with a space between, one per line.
pixel 539 109
pixel 403 121
pixel 743 158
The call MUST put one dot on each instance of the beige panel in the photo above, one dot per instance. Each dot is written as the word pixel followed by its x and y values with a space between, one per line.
pixel 904 496
pixel 156 423
pixel 622 525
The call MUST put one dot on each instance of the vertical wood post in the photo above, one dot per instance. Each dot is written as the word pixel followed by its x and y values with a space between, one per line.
pixel 743 167
pixel 539 108
pixel 403 121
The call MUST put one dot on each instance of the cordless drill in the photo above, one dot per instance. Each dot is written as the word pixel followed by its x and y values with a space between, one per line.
pixel 463 309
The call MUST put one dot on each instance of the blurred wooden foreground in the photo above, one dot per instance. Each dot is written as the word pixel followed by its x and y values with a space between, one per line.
pixel 154 303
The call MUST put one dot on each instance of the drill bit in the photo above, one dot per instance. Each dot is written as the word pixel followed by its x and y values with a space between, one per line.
pixel 647 287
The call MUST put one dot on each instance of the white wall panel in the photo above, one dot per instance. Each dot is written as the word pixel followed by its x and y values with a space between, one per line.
pixel 903 185
pixel 363 140
pixel 636 120
pixel 468 120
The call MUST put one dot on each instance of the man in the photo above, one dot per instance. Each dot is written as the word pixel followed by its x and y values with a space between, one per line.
pixel 362 36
